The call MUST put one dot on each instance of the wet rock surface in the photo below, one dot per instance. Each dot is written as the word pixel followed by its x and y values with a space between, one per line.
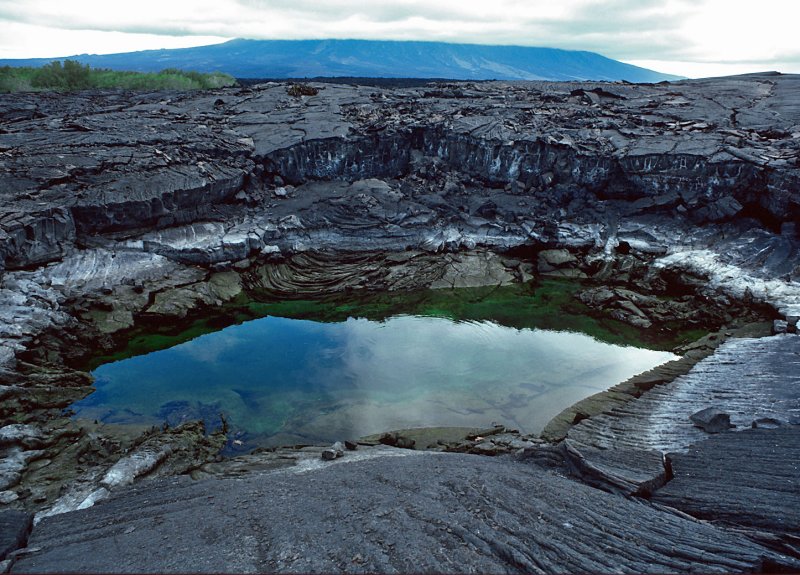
pixel 748 378
pixel 619 396
pixel 421 512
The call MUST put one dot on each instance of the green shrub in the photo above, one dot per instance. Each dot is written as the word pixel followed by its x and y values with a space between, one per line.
pixel 76 76
pixel 12 80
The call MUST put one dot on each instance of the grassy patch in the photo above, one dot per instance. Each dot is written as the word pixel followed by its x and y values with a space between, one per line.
pixel 71 76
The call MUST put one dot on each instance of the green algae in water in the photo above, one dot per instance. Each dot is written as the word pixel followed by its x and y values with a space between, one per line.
pixel 319 371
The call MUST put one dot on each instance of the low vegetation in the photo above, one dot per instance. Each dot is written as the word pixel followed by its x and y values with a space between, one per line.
pixel 298 90
pixel 72 76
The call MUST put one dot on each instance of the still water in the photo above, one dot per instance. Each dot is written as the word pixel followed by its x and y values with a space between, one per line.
pixel 280 380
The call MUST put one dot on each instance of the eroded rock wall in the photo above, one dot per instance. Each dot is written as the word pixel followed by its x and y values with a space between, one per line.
pixel 115 163
pixel 351 159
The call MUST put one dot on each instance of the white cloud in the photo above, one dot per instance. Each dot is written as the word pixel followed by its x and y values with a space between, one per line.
pixel 713 69
pixel 210 347
pixel 30 41
pixel 436 371
pixel 711 32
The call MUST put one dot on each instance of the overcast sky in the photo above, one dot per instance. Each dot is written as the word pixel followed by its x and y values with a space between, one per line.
pixel 687 37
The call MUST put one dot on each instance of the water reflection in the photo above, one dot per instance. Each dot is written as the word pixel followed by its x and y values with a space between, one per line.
pixel 287 380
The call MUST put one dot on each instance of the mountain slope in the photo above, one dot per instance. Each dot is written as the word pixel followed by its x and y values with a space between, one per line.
pixel 369 58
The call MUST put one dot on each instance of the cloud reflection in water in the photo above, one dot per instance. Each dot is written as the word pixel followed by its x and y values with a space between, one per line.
pixel 325 381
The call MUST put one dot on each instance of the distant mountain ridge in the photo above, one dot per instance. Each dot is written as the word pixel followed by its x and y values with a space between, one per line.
pixel 371 58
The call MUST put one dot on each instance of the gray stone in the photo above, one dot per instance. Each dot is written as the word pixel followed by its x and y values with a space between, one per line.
pixel 486 447
pixel 189 173
pixel 333 452
pixel 767 423
pixel 7 497
pixel 553 259
pixel 711 420
pixel 722 209
pixel 15 526
pixel 779 326
pixel 27 436
pixel 395 439
pixel 405 443
pixel 486 432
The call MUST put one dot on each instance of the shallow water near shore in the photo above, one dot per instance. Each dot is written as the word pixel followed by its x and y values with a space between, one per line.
pixel 310 372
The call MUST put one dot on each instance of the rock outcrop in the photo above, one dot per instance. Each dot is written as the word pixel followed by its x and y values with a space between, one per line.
pixel 500 155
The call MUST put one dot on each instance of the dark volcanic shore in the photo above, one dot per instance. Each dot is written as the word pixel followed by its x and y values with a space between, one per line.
pixel 120 209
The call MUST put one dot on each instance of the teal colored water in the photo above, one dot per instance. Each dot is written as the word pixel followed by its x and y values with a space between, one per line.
pixel 281 381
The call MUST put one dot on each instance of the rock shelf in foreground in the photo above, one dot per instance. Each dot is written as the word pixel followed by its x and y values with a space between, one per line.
pixel 418 513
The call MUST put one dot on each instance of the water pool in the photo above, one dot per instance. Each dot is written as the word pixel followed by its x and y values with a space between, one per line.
pixel 285 380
